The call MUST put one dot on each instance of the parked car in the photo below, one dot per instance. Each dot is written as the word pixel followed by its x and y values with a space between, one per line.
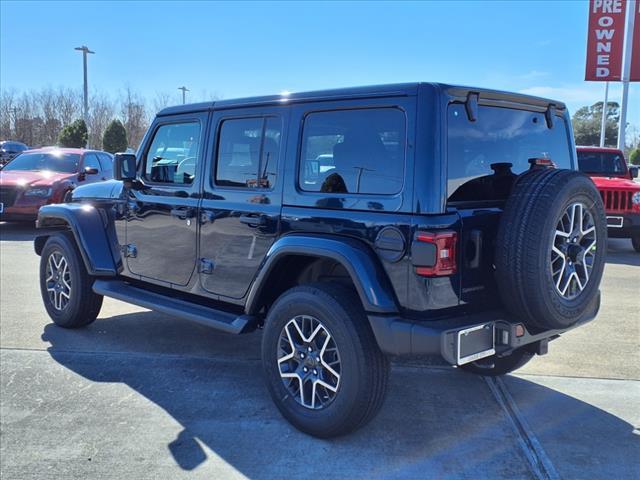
pixel 48 175
pixel 442 227
pixel 9 149
pixel 621 195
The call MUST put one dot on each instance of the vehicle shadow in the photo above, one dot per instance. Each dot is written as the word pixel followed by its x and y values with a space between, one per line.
pixel 620 252
pixel 17 231
pixel 436 423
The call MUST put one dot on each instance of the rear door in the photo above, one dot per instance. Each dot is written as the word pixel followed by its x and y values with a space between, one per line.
pixel 240 210
pixel 485 156
pixel 162 226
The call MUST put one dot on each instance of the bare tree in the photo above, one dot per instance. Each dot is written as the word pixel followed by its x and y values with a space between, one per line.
pixel 51 125
pixel 69 105
pixel 162 100
pixel 134 116
pixel 101 112
pixel 7 113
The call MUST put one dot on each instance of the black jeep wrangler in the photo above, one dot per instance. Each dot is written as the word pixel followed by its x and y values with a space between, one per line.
pixel 351 225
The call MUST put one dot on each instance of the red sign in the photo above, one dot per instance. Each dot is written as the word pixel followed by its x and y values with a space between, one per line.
pixel 635 46
pixel 605 39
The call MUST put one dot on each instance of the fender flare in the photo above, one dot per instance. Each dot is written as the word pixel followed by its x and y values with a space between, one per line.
pixel 364 268
pixel 93 231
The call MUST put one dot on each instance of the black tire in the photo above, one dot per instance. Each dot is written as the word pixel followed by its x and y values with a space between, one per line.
pixel 363 368
pixel 494 366
pixel 526 237
pixel 81 306
pixel 635 242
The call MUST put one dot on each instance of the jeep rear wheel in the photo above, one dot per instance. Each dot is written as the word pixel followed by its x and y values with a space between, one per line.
pixel 323 367
pixel 550 248
pixel 65 284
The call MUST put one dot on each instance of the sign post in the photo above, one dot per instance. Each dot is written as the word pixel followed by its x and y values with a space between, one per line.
pixel 629 52
pixel 603 124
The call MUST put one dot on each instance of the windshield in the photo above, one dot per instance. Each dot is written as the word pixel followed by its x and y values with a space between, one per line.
pixel 52 161
pixel 602 163
pixel 12 147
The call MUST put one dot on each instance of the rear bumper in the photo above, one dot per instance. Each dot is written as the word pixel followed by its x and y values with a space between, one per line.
pixel 623 225
pixel 402 337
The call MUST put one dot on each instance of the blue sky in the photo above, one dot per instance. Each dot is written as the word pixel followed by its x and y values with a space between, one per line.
pixel 242 49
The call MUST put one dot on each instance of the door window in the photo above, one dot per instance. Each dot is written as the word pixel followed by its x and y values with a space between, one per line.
pixel 105 161
pixel 91 161
pixel 248 152
pixel 353 151
pixel 174 154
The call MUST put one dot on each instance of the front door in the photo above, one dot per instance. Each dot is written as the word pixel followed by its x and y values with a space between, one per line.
pixel 161 232
pixel 240 214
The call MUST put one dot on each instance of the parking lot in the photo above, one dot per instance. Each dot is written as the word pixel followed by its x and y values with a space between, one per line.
pixel 142 395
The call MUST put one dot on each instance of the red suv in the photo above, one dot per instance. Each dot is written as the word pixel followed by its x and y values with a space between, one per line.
pixel 620 194
pixel 39 177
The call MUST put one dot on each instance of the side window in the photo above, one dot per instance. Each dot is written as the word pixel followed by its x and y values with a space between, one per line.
pixel 91 161
pixel 106 162
pixel 173 154
pixel 353 151
pixel 248 152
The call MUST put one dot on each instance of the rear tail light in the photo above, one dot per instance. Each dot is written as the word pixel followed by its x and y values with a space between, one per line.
pixel 434 254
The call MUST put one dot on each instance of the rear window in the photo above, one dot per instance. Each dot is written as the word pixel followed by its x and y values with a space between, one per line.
pixel 486 155
pixel 602 163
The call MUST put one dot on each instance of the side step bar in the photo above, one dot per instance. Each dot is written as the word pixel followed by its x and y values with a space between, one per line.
pixel 208 316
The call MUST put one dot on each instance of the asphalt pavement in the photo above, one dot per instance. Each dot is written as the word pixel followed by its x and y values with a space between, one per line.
pixel 142 395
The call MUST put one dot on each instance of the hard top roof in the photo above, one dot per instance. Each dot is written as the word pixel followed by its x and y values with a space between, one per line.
pixel 398 89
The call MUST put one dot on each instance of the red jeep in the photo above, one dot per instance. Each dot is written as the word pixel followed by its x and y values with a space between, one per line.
pixel 620 194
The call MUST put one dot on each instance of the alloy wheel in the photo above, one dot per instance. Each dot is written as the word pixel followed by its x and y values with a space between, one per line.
pixel 309 362
pixel 573 251
pixel 58 280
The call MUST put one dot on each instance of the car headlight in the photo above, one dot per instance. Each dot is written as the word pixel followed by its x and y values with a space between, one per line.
pixel 636 198
pixel 38 192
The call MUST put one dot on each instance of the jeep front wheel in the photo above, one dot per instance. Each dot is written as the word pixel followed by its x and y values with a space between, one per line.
pixel 65 284
pixel 635 242
pixel 323 367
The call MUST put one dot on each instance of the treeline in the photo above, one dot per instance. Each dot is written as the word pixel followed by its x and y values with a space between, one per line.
pixel 37 117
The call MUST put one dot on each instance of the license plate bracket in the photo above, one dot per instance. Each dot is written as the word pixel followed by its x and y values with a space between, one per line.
pixel 476 342
pixel 615 222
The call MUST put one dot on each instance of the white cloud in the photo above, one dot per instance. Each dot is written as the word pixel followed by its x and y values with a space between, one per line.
pixel 534 74
pixel 587 93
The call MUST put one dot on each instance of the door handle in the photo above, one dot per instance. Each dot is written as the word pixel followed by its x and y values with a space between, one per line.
pixel 182 213
pixel 207 217
pixel 254 220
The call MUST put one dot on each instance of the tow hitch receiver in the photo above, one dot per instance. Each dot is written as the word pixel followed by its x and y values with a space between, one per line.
pixel 476 342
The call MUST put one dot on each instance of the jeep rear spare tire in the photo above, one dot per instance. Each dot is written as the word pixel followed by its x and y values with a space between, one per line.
pixel 550 248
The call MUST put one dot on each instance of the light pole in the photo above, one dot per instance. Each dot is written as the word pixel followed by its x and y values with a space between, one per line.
pixel 85 50
pixel 184 90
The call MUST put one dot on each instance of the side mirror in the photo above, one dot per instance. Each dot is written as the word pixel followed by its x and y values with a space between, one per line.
pixel 633 172
pixel 124 167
